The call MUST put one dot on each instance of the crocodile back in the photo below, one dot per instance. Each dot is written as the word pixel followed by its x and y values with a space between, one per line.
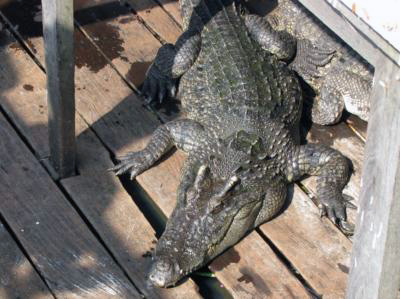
pixel 235 84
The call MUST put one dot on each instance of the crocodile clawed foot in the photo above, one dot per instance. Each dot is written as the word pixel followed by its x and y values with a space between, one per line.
pixel 133 163
pixel 335 210
pixel 348 202
pixel 157 87
pixel 309 58
pixel 346 227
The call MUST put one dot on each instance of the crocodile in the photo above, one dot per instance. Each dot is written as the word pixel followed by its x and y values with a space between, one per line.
pixel 342 82
pixel 242 108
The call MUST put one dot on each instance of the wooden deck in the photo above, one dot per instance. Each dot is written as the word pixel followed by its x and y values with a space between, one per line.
pixel 89 236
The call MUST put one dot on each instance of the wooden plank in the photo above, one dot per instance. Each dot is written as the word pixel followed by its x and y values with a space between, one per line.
pixel 23 98
pixel 115 30
pixel 18 279
pixel 383 19
pixel 156 18
pixel 123 228
pixel 58 28
pixel 63 249
pixel 375 270
pixel 251 270
pixel 316 249
pixel 173 8
pixel 352 30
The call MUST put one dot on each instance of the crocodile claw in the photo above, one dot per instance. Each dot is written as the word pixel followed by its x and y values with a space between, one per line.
pixel 133 163
pixel 347 201
pixel 346 227
pixel 157 87
pixel 336 212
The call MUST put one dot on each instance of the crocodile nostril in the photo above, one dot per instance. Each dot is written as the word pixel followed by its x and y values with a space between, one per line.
pixel 163 265
pixel 162 273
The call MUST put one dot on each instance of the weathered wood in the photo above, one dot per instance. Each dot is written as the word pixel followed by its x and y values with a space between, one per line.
pixel 313 245
pixel 18 279
pixel 115 30
pixel 122 226
pixel 172 7
pixel 375 270
pixel 382 18
pixel 52 233
pixel 358 126
pixel 23 98
pixel 251 270
pixel 58 28
pixel 352 30
pixel 156 18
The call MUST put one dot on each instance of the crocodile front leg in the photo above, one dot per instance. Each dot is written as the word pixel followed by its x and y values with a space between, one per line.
pixel 332 171
pixel 183 134
pixel 171 62
pixel 279 43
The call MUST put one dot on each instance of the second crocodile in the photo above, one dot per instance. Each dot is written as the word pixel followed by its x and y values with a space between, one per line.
pixel 342 82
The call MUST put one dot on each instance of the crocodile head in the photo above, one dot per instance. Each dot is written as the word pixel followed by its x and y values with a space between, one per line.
pixel 213 215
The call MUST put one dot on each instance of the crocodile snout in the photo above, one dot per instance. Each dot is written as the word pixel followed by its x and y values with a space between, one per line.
pixel 162 273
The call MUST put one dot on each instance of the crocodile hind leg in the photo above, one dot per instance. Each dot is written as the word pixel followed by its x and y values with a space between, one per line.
pixel 183 134
pixel 171 62
pixel 341 89
pixel 332 171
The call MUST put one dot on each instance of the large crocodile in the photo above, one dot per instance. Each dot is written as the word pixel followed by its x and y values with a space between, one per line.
pixel 342 82
pixel 242 106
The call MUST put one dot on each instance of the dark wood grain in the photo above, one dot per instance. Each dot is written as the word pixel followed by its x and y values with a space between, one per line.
pixel 156 18
pixel 52 233
pixel 375 270
pixel 319 252
pixel 58 28
pixel 18 278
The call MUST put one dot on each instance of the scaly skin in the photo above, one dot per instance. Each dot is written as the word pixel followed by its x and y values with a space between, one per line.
pixel 340 81
pixel 242 109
